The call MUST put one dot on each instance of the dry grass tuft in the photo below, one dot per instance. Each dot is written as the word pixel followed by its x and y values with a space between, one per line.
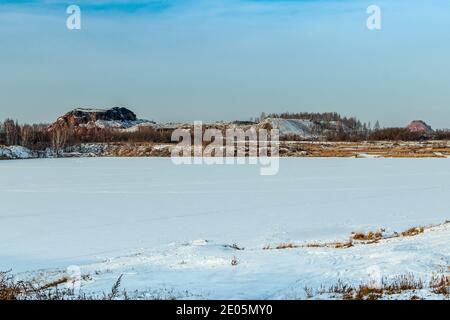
pixel 291 245
pixel 403 283
pixel 343 245
pixel 10 289
pixel 413 232
pixel 287 245
pixel 400 284
pixel 366 292
pixel 356 238
pixel 343 289
pixel 370 236
pixel 309 292
pixel 54 283
pixel 440 284
pixel 314 245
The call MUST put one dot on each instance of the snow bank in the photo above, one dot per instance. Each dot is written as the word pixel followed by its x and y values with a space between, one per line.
pixel 124 125
pixel 294 127
pixel 87 149
pixel 16 152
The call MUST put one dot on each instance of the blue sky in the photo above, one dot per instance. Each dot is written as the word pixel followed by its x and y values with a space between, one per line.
pixel 227 59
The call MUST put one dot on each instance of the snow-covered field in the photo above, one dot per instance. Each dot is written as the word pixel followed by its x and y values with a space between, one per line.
pixel 170 229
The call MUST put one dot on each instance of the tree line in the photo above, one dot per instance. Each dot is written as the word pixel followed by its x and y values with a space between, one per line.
pixel 40 137
pixel 334 127
pixel 331 126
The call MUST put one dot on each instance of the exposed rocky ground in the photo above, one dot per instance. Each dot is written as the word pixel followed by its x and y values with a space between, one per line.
pixel 419 126
pixel 82 118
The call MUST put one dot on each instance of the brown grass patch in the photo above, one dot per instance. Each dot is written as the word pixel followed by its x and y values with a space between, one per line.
pixel 413 232
pixel 343 245
pixel 288 245
pixel 365 292
pixel 369 236
pixel 400 284
pixel 291 245
pixel 357 238
pixel 387 149
pixel 440 284
pixel 10 289
pixel 54 283
pixel 403 283
pixel 314 245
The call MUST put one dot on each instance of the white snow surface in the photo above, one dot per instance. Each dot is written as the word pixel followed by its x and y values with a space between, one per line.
pixel 169 229
pixel 127 125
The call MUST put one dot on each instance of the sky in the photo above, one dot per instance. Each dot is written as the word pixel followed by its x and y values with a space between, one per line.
pixel 208 60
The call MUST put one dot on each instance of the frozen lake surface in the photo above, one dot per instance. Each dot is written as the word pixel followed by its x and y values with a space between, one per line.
pixel 167 227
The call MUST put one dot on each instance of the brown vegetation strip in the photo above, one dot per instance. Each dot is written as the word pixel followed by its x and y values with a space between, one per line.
pixel 357 238
pixel 11 289
pixel 402 284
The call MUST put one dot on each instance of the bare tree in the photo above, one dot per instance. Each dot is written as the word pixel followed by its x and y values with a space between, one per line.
pixel 27 136
pixel 59 137
pixel 12 132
